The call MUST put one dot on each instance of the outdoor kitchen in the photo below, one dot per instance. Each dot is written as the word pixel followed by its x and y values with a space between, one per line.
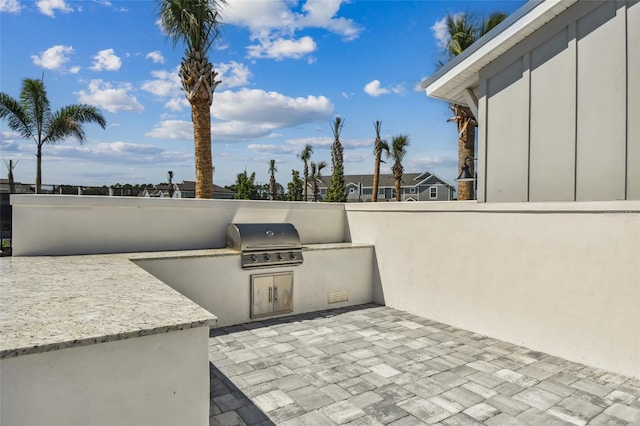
pixel 102 294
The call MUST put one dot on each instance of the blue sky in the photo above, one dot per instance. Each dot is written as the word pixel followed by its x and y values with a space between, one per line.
pixel 287 67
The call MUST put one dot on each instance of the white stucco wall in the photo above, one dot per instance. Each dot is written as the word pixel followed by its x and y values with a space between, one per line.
pixel 557 111
pixel 162 379
pixel 563 278
pixel 219 285
pixel 65 225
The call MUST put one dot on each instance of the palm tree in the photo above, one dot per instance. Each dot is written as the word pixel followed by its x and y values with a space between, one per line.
pixel 379 146
pixel 305 155
pixel 10 168
pixel 337 191
pixel 272 179
pixel 196 23
pixel 398 151
pixel 170 178
pixel 316 175
pixel 463 32
pixel 31 116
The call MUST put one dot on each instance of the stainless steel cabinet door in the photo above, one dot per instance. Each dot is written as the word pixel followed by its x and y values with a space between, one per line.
pixel 261 295
pixel 283 292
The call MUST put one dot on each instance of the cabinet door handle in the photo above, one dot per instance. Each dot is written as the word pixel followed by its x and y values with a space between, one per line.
pixel 275 293
pixel 270 290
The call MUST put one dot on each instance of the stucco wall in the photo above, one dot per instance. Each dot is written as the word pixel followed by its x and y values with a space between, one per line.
pixel 161 379
pixel 556 112
pixel 219 285
pixel 563 278
pixel 64 225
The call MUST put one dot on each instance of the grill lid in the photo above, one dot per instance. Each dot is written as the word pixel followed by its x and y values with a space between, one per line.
pixel 265 244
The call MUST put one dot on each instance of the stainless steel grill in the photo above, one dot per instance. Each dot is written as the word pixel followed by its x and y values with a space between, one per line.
pixel 265 244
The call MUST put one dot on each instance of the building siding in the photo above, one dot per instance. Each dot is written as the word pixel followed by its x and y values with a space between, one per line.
pixel 557 110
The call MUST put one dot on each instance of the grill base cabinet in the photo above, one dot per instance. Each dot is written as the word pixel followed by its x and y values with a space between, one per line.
pixel 271 294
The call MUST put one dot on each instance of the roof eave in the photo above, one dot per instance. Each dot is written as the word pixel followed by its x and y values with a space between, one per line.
pixel 450 81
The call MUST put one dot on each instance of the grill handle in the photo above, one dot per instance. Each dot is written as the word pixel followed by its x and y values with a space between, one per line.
pixel 275 293
pixel 270 290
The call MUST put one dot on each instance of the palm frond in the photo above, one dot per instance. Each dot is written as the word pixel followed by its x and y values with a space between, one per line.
pixel 17 117
pixel 196 23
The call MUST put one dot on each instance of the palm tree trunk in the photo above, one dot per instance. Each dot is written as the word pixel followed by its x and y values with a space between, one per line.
pixel 398 187
pixel 39 170
pixel 376 178
pixel 466 143
pixel 201 116
pixel 306 182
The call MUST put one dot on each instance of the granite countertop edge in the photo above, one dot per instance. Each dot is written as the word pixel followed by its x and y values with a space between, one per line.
pixel 28 350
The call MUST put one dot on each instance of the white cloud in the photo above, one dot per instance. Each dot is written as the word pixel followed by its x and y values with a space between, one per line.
pixel 441 32
pixel 423 163
pixel 273 23
pixel 172 129
pixel 233 74
pixel 165 84
pixel 156 57
pixel 247 114
pixel 177 104
pixel 10 6
pixel 48 7
pixel 270 107
pixel 106 60
pixel 53 58
pixel 113 99
pixel 374 88
pixel 296 145
pixel 74 70
pixel 321 13
pixel 282 48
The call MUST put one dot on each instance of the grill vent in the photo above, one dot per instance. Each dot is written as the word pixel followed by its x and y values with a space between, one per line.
pixel 337 297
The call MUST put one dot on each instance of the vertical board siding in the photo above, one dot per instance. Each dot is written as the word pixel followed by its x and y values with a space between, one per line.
pixel 507 142
pixel 601 164
pixel 553 105
pixel 633 100
pixel 560 110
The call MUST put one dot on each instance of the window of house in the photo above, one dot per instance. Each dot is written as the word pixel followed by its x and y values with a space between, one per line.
pixel 433 192
pixel 412 190
pixel 351 190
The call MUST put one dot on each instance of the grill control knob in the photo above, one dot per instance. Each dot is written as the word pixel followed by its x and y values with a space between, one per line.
pixel 293 256
pixel 254 258
pixel 280 256
pixel 267 257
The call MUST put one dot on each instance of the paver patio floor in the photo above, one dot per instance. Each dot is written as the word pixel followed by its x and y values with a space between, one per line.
pixel 374 365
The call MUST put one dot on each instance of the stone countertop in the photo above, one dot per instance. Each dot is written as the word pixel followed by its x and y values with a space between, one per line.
pixel 50 303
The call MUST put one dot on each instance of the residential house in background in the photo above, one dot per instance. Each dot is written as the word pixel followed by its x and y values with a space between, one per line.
pixel 186 189
pixel 425 186
pixel 555 91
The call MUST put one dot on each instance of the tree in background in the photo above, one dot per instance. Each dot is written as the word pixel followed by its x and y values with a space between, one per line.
pixel 397 153
pixel 10 168
pixel 316 175
pixel 337 191
pixel 294 188
pixel 272 179
pixel 32 118
pixel 305 156
pixel 196 23
pixel 170 178
pixel 378 147
pixel 463 32
pixel 245 186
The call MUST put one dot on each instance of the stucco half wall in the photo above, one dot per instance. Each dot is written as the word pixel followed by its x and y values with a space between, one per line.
pixel 562 278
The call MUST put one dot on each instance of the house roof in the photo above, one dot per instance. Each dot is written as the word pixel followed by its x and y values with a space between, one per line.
pixel 387 180
pixel 450 82
pixel 190 185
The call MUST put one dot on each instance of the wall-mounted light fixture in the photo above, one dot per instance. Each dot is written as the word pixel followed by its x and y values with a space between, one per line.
pixel 465 174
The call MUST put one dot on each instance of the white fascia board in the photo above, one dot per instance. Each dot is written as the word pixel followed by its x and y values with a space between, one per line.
pixel 449 82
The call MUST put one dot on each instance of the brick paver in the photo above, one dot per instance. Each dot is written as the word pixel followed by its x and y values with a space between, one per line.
pixel 374 365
